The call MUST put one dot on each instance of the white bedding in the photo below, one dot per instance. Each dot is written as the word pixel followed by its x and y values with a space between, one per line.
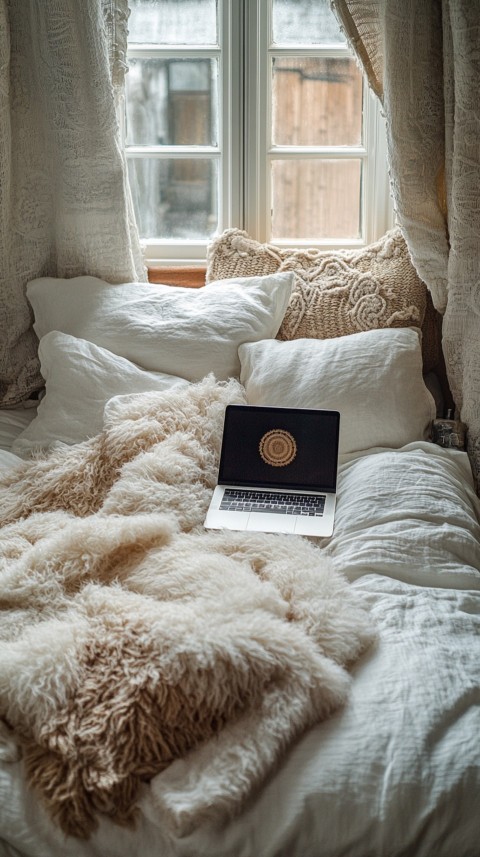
pixel 397 772
pixel 12 422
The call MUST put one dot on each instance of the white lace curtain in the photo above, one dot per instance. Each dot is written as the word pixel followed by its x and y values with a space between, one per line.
pixel 422 60
pixel 65 206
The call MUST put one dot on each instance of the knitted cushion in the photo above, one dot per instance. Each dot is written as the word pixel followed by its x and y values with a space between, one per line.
pixel 336 293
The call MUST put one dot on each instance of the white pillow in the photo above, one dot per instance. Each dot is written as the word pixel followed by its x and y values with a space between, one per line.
pixel 80 378
pixel 185 332
pixel 373 378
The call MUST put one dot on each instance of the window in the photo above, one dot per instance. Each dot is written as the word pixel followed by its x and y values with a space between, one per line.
pixel 250 113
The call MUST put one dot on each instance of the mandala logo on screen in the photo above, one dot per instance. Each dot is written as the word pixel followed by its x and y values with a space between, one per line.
pixel 277 448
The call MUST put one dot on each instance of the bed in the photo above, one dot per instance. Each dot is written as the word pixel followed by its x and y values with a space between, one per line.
pixel 325 693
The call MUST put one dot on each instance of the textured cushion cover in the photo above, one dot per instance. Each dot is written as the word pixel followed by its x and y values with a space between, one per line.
pixel 80 378
pixel 336 293
pixel 184 332
pixel 373 378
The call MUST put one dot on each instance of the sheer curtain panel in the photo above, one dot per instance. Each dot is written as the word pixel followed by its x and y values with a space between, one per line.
pixel 422 59
pixel 65 205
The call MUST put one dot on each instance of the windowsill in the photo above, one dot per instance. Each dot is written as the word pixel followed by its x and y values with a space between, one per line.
pixel 186 276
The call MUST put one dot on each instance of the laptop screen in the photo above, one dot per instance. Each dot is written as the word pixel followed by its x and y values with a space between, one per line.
pixel 280 448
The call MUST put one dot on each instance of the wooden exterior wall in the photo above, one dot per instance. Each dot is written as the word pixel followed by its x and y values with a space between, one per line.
pixel 321 102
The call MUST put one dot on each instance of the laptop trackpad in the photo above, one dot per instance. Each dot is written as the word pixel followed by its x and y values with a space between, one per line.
pixel 263 522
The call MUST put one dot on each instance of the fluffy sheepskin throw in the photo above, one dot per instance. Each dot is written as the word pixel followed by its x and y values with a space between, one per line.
pixel 140 652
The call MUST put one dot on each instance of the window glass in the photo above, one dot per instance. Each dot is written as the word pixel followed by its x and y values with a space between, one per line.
pixel 172 102
pixel 316 198
pixel 316 102
pixel 305 22
pixel 174 198
pixel 173 22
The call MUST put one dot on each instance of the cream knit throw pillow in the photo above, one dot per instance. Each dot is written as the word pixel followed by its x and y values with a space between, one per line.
pixel 336 293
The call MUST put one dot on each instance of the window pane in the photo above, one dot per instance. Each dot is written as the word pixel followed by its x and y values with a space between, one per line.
pixel 316 198
pixel 169 22
pixel 174 198
pixel 316 102
pixel 305 22
pixel 172 102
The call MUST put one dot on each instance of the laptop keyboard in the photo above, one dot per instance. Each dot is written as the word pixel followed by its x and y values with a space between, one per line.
pixel 237 500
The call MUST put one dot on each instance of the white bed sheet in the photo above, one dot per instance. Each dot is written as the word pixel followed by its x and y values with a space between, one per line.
pixel 12 422
pixel 396 773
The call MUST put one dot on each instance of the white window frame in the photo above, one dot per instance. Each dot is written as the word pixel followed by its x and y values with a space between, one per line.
pixel 244 150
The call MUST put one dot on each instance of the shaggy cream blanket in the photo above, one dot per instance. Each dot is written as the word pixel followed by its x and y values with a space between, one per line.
pixel 140 651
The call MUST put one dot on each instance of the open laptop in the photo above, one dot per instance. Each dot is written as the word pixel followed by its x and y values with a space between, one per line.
pixel 278 471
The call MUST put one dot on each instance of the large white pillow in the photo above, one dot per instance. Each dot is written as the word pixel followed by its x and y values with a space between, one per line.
pixel 80 378
pixel 185 332
pixel 373 378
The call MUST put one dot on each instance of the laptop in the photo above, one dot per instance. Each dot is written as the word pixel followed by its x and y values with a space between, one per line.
pixel 278 471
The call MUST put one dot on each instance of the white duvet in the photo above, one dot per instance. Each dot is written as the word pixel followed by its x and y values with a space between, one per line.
pixel 397 772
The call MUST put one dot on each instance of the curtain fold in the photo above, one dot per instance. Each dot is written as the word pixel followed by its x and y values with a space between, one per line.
pixel 423 61
pixel 65 204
